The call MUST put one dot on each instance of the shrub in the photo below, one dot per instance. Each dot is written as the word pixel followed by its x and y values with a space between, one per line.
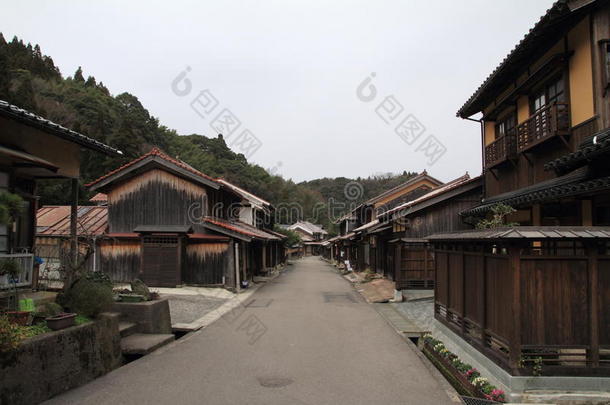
pixel 48 309
pixel 90 298
pixel 10 267
pixel 10 335
pixel 99 277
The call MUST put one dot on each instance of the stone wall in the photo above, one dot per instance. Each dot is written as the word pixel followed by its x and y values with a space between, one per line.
pixel 49 364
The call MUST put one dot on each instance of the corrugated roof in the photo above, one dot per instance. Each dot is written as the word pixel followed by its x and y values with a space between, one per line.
pixel 55 220
pixel 527 232
pixel 155 152
pixel 29 118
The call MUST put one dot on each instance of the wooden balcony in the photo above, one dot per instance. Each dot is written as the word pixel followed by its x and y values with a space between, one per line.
pixel 500 150
pixel 551 121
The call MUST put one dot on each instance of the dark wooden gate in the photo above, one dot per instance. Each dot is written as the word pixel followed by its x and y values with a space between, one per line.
pixel 161 261
pixel 416 267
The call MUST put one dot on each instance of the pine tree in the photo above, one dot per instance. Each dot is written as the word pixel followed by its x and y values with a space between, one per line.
pixel 90 82
pixel 78 75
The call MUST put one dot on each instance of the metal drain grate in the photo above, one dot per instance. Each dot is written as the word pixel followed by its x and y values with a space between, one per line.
pixel 259 303
pixel 338 297
pixel 477 401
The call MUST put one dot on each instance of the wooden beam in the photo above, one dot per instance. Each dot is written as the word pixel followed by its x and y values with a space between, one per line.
pixel 593 355
pixel 515 341
pixel 73 220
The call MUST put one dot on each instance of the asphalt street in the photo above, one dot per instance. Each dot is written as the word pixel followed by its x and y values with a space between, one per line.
pixel 307 337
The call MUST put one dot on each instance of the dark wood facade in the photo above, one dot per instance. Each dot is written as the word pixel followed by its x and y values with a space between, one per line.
pixel 524 301
pixel 171 225
pixel 533 297
pixel 439 211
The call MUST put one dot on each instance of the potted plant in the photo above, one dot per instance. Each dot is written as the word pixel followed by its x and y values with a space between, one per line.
pixel 61 321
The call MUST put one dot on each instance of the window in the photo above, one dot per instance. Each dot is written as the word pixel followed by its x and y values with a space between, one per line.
pixel 506 125
pixel 547 95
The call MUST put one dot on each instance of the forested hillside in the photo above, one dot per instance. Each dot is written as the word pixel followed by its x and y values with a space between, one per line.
pixel 31 80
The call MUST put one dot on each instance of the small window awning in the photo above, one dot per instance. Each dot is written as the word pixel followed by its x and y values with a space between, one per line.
pixel 163 229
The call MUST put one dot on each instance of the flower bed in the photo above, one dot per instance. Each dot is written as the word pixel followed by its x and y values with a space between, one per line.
pixel 468 377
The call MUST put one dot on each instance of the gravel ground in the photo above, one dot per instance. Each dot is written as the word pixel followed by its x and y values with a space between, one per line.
pixel 188 308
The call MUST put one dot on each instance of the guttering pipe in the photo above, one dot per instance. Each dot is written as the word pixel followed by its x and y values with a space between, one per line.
pixel 480 121
pixel 94 253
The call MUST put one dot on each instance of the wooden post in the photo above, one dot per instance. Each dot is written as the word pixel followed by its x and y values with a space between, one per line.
pixel 398 266
pixel 483 297
pixel 536 215
pixel 587 213
pixel 73 220
pixel 515 342
pixel 593 355
pixel 264 258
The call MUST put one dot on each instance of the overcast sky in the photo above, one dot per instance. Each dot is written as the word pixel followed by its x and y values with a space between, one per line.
pixel 289 71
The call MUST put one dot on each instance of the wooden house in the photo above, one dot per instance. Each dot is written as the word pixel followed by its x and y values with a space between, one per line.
pixel 413 221
pixel 33 148
pixel 364 240
pixel 312 237
pixel 534 299
pixel 169 224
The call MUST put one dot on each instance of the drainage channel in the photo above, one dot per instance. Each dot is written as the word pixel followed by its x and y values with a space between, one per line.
pixel 128 358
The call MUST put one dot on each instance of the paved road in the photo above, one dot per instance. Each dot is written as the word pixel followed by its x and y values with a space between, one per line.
pixel 307 338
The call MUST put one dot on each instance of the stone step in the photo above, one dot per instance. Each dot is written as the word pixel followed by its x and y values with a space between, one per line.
pixel 144 343
pixel 127 328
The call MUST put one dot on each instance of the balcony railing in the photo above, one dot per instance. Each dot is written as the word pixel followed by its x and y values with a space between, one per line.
pixel 24 278
pixel 503 148
pixel 550 121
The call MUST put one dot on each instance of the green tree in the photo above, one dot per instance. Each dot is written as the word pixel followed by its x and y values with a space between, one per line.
pixel 78 75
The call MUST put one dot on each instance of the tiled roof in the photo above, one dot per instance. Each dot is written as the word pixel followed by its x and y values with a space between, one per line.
pixel 452 185
pixel 572 184
pixel 558 10
pixel 27 117
pixel 154 152
pixel 99 197
pixel 590 149
pixel 526 232
pixel 244 194
pixel 422 176
pixel 55 220
pixel 241 228
pixel 205 236
pixel 308 227
pixel 367 225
